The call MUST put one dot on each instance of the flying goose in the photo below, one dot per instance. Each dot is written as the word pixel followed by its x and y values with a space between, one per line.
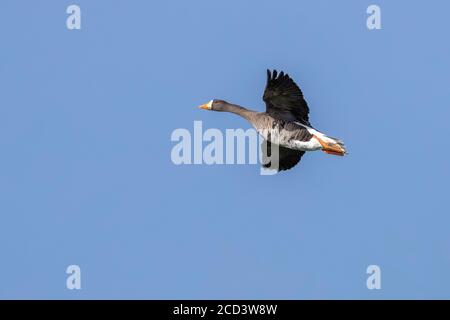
pixel 285 122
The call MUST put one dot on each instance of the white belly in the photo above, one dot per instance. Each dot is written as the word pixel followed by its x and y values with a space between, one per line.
pixel 283 138
pixel 311 145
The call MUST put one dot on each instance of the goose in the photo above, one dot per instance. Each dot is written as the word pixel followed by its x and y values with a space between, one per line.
pixel 285 123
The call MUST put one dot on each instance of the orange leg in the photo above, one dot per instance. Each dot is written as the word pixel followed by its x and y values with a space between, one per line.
pixel 330 148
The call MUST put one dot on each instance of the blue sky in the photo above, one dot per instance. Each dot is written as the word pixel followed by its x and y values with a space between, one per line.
pixel 86 176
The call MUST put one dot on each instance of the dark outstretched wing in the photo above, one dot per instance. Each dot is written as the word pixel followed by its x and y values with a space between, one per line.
pixel 284 99
pixel 288 158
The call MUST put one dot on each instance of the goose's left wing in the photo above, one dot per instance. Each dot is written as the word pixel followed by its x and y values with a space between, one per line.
pixel 284 99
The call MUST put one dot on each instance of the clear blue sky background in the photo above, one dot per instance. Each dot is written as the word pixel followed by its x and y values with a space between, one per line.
pixel 86 176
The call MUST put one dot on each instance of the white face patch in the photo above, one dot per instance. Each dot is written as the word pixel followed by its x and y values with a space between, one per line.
pixel 209 104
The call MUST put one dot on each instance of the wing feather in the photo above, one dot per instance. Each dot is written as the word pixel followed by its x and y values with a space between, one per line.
pixel 288 158
pixel 284 99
